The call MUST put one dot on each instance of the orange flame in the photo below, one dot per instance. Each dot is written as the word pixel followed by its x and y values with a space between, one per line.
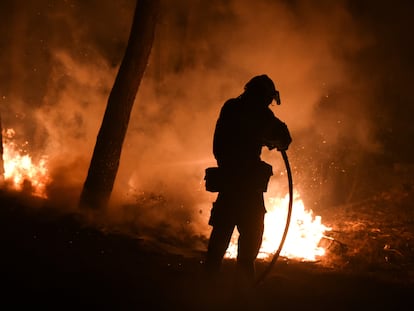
pixel 304 235
pixel 20 171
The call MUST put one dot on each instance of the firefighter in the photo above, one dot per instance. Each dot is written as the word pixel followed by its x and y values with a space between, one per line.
pixel 245 125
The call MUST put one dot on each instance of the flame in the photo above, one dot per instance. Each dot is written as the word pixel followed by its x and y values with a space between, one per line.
pixel 304 235
pixel 20 171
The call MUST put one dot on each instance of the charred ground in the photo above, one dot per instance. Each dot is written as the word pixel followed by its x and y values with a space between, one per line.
pixel 58 260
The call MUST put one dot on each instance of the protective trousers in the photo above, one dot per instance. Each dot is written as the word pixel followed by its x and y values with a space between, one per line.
pixel 245 211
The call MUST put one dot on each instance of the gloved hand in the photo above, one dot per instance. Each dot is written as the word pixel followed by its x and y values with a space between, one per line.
pixel 280 145
pixel 278 136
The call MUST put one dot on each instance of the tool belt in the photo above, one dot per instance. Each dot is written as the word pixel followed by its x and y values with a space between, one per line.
pixel 255 177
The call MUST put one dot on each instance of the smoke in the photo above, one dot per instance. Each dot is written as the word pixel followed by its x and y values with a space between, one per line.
pixel 61 58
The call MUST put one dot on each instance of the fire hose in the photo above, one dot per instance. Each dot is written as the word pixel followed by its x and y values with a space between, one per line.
pixel 277 253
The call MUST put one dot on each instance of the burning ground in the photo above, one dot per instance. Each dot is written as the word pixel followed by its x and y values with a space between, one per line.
pixel 360 254
pixel 52 259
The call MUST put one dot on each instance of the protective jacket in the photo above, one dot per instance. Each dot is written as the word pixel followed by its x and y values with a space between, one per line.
pixel 242 129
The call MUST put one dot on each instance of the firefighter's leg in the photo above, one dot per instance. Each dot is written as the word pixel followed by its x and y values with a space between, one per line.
pixel 217 246
pixel 250 240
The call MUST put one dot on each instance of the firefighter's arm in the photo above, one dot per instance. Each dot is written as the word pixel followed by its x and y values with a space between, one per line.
pixel 277 135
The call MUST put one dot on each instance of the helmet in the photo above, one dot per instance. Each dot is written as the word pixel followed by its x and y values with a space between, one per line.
pixel 263 86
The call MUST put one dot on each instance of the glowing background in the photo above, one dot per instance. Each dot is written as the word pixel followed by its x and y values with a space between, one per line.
pixel 344 70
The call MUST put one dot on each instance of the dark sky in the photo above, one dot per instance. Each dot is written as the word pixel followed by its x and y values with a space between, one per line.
pixel 344 70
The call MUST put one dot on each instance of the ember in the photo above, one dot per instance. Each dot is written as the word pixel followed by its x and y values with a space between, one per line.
pixel 304 235
pixel 20 171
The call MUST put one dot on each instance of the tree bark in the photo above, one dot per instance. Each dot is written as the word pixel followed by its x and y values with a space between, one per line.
pixel 104 164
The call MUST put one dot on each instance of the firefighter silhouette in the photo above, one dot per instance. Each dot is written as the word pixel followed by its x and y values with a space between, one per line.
pixel 245 125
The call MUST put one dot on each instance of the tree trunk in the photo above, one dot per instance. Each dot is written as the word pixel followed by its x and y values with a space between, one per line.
pixel 104 165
